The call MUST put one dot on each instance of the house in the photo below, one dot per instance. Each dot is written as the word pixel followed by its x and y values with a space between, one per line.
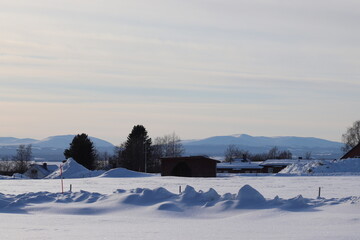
pixel 353 153
pixel 192 166
pixel 240 166
pixel 37 171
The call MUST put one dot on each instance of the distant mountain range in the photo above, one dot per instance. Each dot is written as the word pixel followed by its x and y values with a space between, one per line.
pixel 62 141
pixel 48 149
pixel 216 146
pixel 52 148
pixel 247 140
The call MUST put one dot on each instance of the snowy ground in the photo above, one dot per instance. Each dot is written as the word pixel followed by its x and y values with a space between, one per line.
pixel 97 209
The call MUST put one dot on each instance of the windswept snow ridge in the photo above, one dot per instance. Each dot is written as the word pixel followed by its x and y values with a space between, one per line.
pixel 159 199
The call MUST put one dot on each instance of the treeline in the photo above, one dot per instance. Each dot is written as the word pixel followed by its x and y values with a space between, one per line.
pixel 138 153
pixel 17 164
pixel 234 152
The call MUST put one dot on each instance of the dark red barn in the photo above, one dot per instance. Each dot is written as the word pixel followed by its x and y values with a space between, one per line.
pixel 194 166
pixel 353 153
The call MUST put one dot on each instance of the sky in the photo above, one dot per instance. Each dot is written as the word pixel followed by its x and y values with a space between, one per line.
pixel 197 68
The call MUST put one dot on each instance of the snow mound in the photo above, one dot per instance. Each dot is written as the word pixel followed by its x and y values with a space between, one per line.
pixel 122 172
pixel 192 197
pixel 249 197
pixel 19 176
pixel 72 169
pixel 144 196
pixel 343 166
pixel 188 202
pixel 298 202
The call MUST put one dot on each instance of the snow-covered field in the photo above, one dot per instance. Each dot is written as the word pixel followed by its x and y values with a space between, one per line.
pixel 142 207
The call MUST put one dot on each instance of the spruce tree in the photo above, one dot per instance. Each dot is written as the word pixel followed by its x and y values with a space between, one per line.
pixel 82 150
pixel 137 151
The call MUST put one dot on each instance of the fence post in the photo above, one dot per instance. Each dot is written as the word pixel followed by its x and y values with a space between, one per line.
pixel 62 180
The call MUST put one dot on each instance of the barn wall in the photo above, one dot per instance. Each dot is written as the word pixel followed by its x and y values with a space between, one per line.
pixel 199 167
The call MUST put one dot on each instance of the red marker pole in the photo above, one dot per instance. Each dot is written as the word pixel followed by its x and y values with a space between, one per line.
pixel 62 181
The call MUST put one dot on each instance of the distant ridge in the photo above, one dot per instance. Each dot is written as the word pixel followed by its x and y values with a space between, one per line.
pixel 52 148
pixel 48 149
pixel 63 141
pixel 60 141
pixel 247 140
pixel 216 146
pixel 16 141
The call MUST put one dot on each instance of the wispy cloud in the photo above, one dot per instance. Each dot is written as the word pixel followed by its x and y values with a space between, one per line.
pixel 215 66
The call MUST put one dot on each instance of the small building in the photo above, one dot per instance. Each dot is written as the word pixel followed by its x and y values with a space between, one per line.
pixel 240 167
pixel 193 166
pixel 353 153
pixel 38 171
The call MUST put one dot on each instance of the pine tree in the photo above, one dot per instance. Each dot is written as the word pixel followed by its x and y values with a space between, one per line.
pixel 82 151
pixel 137 150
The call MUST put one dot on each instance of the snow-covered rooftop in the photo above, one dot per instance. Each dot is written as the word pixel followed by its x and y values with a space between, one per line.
pixel 239 165
pixel 281 162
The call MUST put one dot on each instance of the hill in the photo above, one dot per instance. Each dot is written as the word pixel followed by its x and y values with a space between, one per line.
pixel 63 142
pixel 8 141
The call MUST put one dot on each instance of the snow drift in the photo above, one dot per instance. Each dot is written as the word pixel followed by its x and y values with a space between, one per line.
pixel 122 172
pixel 158 199
pixel 336 167
pixel 72 169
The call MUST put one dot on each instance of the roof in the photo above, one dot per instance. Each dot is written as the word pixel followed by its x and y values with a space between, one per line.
pixel 189 158
pixel 279 162
pixel 353 153
pixel 240 165
pixel 50 168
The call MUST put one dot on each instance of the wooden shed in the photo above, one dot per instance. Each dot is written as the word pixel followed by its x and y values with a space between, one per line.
pixel 193 166
pixel 353 153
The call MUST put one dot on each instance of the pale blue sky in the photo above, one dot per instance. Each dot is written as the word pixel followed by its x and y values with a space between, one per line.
pixel 199 68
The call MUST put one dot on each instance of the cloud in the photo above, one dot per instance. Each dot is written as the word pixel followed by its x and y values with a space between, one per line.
pixel 241 59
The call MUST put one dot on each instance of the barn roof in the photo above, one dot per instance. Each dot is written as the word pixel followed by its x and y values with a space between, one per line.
pixel 279 162
pixel 189 158
pixel 353 153
pixel 240 165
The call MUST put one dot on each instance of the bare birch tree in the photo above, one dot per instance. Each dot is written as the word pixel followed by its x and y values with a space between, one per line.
pixel 352 136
